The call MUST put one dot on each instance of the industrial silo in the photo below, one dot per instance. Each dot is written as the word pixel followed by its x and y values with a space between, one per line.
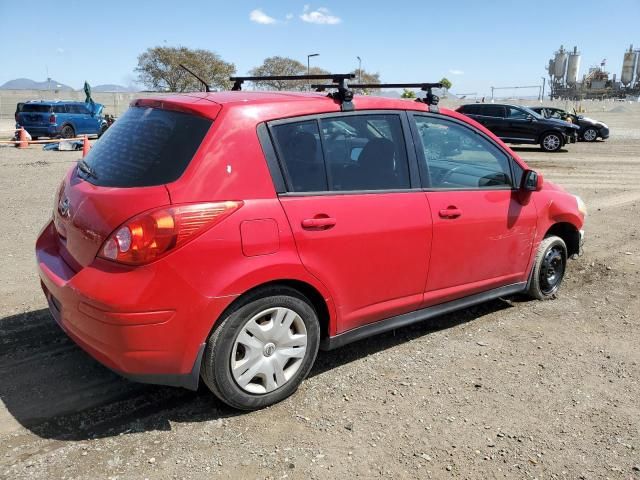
pixel 573 66
pixel 560 64
pixel 628 66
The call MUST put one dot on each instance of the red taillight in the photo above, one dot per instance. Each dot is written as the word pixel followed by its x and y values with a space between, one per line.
pixel 52 118
pixel 148 236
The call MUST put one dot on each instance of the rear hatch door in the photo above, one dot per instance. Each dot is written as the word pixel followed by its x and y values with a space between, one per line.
pixel 125 173
pixel 34 115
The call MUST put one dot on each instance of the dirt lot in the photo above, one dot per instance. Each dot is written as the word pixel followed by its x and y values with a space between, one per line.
pixel 510 389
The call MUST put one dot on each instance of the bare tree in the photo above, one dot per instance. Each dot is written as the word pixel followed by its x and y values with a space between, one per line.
pixel 159 68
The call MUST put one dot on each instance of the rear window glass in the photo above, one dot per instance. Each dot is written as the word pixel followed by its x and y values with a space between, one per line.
pixel 28 107
pixel 146 147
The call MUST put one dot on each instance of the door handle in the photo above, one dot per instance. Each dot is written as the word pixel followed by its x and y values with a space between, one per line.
pixel 450 212
pixel 318 223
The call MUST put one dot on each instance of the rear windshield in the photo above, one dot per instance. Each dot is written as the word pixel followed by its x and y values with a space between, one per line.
pixel 30 107
pixel 145 147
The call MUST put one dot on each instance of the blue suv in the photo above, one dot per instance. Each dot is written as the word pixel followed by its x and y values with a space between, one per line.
pixel 60 119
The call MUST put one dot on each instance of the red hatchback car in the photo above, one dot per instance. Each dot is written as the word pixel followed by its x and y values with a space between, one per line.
pixel 228 236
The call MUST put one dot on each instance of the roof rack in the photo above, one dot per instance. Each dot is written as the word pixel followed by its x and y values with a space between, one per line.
pixel 430 99
pixel 343 95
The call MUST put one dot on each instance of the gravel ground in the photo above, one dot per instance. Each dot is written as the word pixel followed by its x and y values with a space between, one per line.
pixel 510 389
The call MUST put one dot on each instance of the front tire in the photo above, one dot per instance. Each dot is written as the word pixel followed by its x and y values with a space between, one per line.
pixel 551 142
pixel 590 135
pixel 548 269
pixel 262 350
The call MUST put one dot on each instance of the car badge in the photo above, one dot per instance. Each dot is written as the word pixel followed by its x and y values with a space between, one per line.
pixel 63 207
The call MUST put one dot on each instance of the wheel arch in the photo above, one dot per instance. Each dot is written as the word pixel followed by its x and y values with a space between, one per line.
pixel 320 304
pixel 567 232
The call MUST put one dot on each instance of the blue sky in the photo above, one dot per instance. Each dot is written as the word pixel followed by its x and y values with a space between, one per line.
pixel 475 44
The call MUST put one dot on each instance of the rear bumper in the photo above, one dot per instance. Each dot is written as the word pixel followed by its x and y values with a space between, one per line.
pixel 140 337
pixel 41 131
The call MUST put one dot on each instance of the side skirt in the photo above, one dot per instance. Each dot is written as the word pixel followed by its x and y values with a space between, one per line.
pixel 405 319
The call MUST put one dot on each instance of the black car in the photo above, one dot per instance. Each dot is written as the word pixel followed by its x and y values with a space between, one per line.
pixel 590 129
pixel 517 124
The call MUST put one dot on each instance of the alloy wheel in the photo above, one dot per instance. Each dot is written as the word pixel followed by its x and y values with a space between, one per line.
pixel 551 142
pixel 590 135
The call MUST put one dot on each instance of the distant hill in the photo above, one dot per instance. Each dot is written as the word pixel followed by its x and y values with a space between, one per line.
pixel 112 88
pixel 28 84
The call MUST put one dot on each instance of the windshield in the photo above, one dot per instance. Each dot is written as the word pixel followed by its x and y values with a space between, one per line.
pixel 145 147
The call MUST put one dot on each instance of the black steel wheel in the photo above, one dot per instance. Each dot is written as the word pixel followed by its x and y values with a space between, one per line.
pixel 548 269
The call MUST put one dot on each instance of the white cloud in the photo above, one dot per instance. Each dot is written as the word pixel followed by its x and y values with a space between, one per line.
pixel 456 72
pixel 321 16
pixel 289 16
pixel 60 50
pixel 258 16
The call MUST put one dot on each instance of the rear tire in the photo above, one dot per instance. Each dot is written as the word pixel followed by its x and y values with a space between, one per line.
pixel 67 132
pixel 551 142
pixel 262 350
pixel 590 135
pixel 548 268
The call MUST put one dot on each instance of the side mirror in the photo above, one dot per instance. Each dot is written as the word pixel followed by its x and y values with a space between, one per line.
pixel 529 118
pixel 531 181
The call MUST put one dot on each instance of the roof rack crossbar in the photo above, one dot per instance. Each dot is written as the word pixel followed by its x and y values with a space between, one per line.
pixel 337 78
pixel 205 84
pixel 421 86
pixel 430 99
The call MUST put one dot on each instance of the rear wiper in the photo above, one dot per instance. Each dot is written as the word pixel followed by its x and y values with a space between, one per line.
pixel 85 168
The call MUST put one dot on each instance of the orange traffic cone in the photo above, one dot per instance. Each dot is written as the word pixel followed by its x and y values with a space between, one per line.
pixel 86 146
pixel 22 139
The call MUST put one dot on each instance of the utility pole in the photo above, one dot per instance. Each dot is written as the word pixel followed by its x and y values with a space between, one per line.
pixel 359 69
pixel 544 81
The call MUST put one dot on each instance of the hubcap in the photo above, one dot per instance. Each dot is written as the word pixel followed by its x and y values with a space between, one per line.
pixel 551 142
pixel 590 134
pixel 552 270
pixel 268 350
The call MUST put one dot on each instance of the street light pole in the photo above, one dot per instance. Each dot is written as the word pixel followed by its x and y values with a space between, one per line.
pixel 309 66
pixel 359 69
pixel 544 81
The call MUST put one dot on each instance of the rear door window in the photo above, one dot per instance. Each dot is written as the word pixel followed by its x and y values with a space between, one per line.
pixel 470 109
pixel 146 147
pixel 343 153
pixel 517 114
pixel 365 152
pixel 492 111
